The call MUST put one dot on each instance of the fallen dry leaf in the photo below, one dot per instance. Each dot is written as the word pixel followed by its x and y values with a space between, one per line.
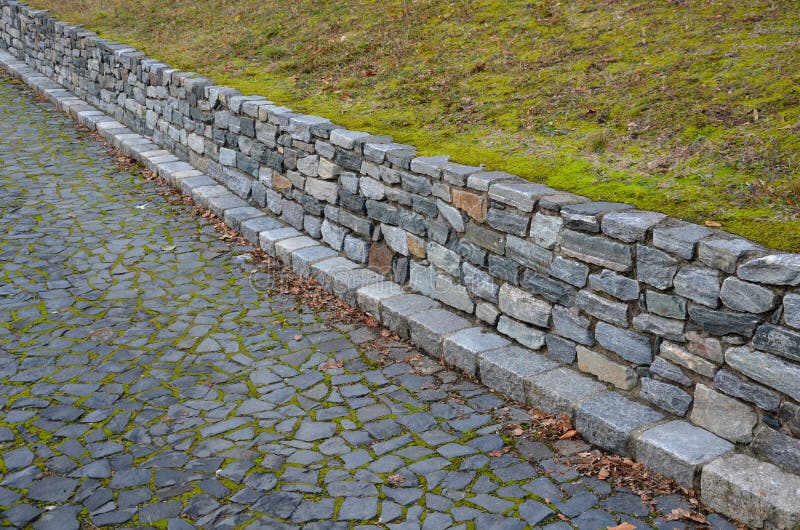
pixel 623 526
pixel 569 434
pixel 298 337
pixel 713 224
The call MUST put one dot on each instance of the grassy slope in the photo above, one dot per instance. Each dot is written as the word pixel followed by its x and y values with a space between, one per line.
pixel 689 108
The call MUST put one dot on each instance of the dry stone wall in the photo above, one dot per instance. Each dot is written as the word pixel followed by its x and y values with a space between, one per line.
pixel 699 323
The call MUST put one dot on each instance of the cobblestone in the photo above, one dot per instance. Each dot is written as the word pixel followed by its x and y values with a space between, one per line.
pixel 149 378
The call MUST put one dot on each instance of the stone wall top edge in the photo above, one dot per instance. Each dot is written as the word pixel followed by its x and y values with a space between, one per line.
pixel 752 263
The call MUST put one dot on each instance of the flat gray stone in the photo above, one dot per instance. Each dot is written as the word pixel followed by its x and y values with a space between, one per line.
pixel 767 369
pixel 396 311
pixel 518 193
pixel 699 284
pixel 778 340
pixel 461 349
pixel 528 336
pixel 346 283
pixel 736 386
pixel 252 228
pixel 560 391
pixel 286 247
pixel 602 308
pixel 609 420
pixel 630 226
pixel 597 249
pixel 268 238
pixel 430 328
pixel 654 267
pixel 303 259
pixel 572 326
pixel 587 216
pixel 507 369
pixel 724 254
pixel 665 396
pixel 724 416
pixel 778 447
pixel 678 450
pixel 633 347
pixel 606 370
pixel 681 240
pixel 791 310
pixel 753 492
pixel 371 296
pixel 326 270
pixel 775 269
pixel 520 305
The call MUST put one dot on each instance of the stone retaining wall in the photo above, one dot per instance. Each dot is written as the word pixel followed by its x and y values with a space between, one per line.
pixel 696 322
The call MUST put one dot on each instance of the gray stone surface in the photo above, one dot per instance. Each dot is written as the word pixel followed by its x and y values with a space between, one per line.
pixel 601 307
pixel 724 254
pixel 681 356
pixel 778 340
pixel 666 305
pixel 756 493
pixel 371 296
pixel 609 420
pixel 723 322
pixel 775 269
pixel 396 311
pixel 520 305
pixel 698 284
pixel 678 450
pixel 528 254
pixel 560 391
pixel 681 240
pixel 615 285
pixel 663 327
pixel 588 215
pixel 742 388
pixel 768 370
pixel 597 250
pixel 507 369
pixel 570 325
pixel 654 267
pixel 724 416
pixel 747 297
pixel 528 336
pixel 518 193
pixel 630 226
pixel 430 328
pixel 461 349
pixel 791 310
pixel 204 303
pixel 606 370
pixel 670 372
pixel 778 447
pixel 665 396
pixel 633 347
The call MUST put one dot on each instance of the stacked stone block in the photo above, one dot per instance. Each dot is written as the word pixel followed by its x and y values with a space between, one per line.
pixel 695 322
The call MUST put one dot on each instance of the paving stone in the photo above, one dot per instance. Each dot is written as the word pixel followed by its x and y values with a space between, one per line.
pixel 396 311
pixel 679 450
pixel 560 391
pixel 609 420
pixel 430 328
pixel 507 369
pixel 754 492
pixel 461 349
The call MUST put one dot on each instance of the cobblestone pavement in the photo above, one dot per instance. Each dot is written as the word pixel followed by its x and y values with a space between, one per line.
pixel 146 382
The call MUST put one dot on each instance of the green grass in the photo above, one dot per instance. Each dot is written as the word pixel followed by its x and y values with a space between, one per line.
pixel 689 108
